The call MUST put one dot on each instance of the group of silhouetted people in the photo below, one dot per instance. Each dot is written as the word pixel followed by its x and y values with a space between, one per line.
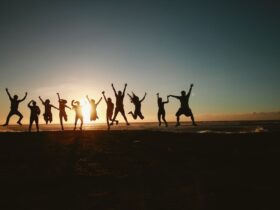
pixel 111 112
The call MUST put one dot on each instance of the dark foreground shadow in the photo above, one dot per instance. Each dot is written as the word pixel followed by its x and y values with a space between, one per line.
pixel 139 170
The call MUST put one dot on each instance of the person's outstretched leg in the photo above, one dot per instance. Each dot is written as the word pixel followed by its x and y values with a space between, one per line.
pixel 178 120
pixel 75 124
pixel 61 122
pixel 30 124
pixel 20 117
pixel 141 116
pixel 82 122
pixel 193 122
pixel 8 118
pixel 107 120
pixel 114 118
pixel 134 115
pixel 37 124
pixel 123 114
pixel 163 118
pixel 159 120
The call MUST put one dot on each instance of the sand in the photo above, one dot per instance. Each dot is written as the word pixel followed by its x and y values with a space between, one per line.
pixel 139 170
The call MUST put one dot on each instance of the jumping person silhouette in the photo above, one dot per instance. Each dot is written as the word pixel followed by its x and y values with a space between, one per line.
pixel 79 114
pixel 110 110
pixel 14 108
pixel 184 109
pixel 119 104
pixel 93 105
pixel 62 112
pixel 34 113
pixel 161 110
pixel 137 103
pixel 48 110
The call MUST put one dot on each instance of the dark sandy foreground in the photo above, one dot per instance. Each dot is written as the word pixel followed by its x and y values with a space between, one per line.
pixel 139 170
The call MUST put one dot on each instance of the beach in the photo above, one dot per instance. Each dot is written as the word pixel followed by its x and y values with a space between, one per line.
pixel 139 169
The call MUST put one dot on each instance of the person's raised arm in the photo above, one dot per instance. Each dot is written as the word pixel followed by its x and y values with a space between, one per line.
pixel 23 97
pixel 190 90
pixel 114 89
pixel 103 93
pixel 99 101
pixel 167 101
pixel 143 97
pixel 88 98
pixel 58 96
pixel 125 85
pixel 41 100
pixel 129 96
pixel 10 97
pixel 157 95
pixel 29 103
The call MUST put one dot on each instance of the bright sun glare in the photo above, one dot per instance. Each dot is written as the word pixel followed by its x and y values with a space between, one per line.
pixel 86 110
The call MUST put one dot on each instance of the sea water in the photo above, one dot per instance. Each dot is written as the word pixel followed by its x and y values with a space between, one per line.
pixel 203 127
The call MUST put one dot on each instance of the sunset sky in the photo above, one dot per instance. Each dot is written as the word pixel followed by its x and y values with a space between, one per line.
pixel 230 50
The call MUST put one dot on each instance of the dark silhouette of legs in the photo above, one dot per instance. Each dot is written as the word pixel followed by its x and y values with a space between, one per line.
pixel 163 118
pixel 123 114
pixel 161 115
pixel 11 113
pixel 61 121
pixel 76 121
pixel 159 118
pixel 115 115
pixel 192 118
pixel 178 120
pixel 37 124
pixel 82 122
pixel 134 115
pixel 36 120
pixel 75 125
pixel 30 124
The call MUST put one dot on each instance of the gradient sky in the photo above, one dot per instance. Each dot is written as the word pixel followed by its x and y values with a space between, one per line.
pixel 230 50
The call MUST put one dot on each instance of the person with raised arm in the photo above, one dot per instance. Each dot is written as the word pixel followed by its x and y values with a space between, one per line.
pixel 109 111
pixel 48 110
pixel 137 103
pixel 93 105
pixel 161 110
pixel 14 107
pixel 79 114
pixel 119 104
pixel 62 111
pixel 34 115
pixel 184 109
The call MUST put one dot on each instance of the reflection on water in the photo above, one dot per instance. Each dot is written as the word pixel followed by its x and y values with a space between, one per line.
pixel 228 127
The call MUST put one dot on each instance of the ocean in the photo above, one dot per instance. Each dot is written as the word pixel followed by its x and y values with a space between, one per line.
pixel 224 127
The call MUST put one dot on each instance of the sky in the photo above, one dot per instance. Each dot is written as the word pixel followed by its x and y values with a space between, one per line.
pixel 229 50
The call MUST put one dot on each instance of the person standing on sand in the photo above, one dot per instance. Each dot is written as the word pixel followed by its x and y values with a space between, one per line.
pixel 93 105
pixel 110 109
pixel 62 112
pixel 119 104
pixel 14 107
pixel 48 110
pixel 137 103
pixel 184 109
pixel 34 113
pixel 161 110
pixel 79 114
